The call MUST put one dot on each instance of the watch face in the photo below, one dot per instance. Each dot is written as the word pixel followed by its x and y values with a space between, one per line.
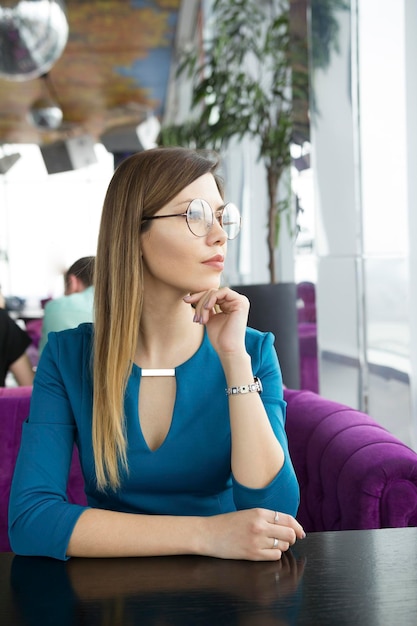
pixel 259 384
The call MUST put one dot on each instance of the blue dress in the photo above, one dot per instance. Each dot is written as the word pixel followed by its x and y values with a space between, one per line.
pixel 189 474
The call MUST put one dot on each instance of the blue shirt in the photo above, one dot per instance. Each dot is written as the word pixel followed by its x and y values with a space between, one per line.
pixel 189 474
pixel 67 312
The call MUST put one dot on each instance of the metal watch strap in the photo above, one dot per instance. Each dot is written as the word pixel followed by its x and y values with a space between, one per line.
pixel 256 386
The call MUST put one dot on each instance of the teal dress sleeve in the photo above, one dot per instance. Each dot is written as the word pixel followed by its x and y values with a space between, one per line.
pixel 41 519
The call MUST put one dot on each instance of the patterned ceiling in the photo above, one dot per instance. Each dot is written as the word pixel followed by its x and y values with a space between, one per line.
pixel 115 67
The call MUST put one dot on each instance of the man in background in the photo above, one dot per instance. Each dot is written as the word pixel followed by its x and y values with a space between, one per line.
pixel 76 306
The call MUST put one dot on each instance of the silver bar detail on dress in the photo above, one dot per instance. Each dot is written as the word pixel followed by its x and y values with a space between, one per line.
pixel 159 372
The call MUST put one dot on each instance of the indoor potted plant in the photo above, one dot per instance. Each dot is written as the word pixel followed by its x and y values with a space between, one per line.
pixel 242 85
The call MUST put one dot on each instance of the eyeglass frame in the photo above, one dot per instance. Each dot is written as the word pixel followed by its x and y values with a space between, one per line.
pixel 213 213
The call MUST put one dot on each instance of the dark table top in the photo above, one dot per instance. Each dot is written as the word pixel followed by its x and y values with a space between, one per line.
pixel 345 578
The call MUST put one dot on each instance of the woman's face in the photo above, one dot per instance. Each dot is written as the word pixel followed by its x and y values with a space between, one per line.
pixel 173 256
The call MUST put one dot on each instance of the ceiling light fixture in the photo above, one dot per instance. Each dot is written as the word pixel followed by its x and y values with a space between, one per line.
pixel 45 112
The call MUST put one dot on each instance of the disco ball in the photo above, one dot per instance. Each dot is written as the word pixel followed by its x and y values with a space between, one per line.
pixel 33 35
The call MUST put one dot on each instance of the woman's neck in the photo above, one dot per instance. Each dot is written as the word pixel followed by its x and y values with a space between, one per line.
pixel 167 339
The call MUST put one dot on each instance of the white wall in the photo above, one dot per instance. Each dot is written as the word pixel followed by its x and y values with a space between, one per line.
pixel 47 221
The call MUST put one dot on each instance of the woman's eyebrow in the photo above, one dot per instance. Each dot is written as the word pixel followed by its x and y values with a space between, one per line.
pixel 188 201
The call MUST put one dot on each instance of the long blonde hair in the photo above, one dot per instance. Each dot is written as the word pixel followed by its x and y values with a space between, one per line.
pixel 141 185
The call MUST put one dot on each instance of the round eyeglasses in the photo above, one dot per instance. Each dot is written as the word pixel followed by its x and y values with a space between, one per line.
pixel 200 218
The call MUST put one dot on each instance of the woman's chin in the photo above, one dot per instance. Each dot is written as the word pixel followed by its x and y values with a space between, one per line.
pixel 206 285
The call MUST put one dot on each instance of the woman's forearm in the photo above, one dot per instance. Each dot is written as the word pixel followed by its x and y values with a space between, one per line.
pixel 102 533
pixel 257 455
pixel 247 534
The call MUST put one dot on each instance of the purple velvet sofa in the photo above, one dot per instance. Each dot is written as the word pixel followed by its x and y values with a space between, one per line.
pixel 307 334
pixel 353 474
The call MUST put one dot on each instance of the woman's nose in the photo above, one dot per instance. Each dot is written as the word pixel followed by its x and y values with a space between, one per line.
pixel 217 234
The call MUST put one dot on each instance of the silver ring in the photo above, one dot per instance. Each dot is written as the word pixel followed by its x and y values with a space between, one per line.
pixel 276 517
pixel 275 543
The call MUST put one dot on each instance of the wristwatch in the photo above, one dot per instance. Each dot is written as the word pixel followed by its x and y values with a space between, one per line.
pixel 250 388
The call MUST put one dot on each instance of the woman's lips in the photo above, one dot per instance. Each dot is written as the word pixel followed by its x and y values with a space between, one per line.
pixel 216 261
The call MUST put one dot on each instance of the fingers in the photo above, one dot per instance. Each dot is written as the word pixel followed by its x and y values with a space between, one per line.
pixel 280 544
pixel 284 530
pixel 206 307
pixel 203 299
pixel 283 519
pixel 208 303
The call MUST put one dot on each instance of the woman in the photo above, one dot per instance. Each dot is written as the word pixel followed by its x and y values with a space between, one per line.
pixel 180 452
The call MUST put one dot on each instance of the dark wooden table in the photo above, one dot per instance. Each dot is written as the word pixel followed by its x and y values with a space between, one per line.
pixel 356 578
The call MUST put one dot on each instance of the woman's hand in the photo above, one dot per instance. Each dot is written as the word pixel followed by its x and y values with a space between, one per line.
pixel 224 312
pixel 252 534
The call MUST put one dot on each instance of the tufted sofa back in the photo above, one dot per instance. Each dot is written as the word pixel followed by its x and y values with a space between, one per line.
pixel 353 473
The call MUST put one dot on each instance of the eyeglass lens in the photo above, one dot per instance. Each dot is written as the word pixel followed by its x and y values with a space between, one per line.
pixel 200 218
